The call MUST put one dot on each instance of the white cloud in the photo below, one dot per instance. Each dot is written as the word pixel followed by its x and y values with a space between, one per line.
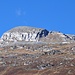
pixel 20 12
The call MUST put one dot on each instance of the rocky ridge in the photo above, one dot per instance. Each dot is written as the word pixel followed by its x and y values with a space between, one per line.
pixel 31 34
pixel 24 33
pixel 34 51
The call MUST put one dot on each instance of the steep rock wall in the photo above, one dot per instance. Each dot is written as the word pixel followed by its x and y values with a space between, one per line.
pixel 28 34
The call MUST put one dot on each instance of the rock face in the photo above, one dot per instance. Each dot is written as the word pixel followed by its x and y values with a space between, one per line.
pixel 58 37
pixel 24 33
pixel 34 51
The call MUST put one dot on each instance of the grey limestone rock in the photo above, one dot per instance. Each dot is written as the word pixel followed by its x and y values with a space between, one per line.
pixel 24 33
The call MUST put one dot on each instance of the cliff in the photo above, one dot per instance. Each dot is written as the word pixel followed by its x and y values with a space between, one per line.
pixel 24 33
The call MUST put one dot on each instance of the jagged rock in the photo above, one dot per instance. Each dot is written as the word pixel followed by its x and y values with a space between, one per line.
pixel 20 53
pixel 72 37
pixel 24 33
pixel 58 37
pixel 27 34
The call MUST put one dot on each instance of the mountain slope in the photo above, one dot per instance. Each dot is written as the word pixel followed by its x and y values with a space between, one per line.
pixel 35 51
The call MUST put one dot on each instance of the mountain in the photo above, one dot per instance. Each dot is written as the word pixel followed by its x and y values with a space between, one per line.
pixel 24 33
pixel 35 51
pixel 31 34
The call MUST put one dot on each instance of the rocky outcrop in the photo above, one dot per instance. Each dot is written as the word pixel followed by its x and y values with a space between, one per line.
pixel 58 37
pixel 24 33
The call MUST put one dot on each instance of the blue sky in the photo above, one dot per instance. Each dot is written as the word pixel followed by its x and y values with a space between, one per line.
pixel 57 15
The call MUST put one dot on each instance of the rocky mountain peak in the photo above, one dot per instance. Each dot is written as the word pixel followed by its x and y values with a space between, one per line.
pixel 31 34
pixel 29 51
pixel 24 33
pixel 25 29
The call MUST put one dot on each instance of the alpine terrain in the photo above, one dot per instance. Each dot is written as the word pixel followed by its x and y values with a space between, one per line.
pixel 35 51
